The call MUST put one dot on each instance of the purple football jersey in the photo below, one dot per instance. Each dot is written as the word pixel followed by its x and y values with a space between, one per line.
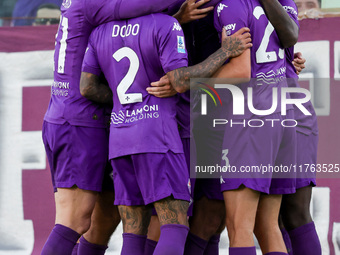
pixel 132 54
pixel 268 68
pixel 78 19
pixel 306 124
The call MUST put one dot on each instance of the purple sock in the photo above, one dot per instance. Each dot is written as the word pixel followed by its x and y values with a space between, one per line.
pixel 305 240
pixel 213 246
pixel 242 250
pixel 75 249
pixel 61 241
pixel 286 239
pixel 276 253
pixel 172 240
pixel 194 245
pixel 150 246
pixel 133 244
pixel 86 248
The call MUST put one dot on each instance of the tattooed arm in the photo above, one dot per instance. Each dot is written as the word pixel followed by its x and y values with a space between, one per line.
pixel 93 89
pixel 232 46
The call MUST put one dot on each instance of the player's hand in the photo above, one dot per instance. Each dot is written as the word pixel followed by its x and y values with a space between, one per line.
pixel 237 43
pixel 162 88
pixel 189 11
pixel 299 62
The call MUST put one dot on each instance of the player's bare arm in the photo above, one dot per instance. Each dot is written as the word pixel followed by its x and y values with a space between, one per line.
pixel 299 62
pixel 232 46
pixel 190 11
pixel 93 89
pixel 162 88
pixel 237 70
pixel 286 29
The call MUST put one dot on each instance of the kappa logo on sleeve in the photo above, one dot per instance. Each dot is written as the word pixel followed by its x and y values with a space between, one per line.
pixel 176 27
pixel 180 44
pixel 220 8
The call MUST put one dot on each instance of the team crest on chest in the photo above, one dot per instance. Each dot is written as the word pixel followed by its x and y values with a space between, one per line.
pixel 67 3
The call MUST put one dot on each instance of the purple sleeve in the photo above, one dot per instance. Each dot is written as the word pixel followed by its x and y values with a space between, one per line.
pixel 291 9
pixel 136 8
pixel 90 61
pixel 99 12
pixel 171 44
pixel 210 3
pixel 232 15
pixel 172 9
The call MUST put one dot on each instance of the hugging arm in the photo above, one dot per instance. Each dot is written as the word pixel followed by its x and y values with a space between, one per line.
pixel 93 89
pixel 232 46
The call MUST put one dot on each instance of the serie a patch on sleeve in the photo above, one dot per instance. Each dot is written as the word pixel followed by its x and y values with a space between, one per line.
pixel 180 44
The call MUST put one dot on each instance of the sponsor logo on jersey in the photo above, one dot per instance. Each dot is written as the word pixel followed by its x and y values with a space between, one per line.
pixel 60 88
pixel 207 88
pixel 176 27
pixel 180 44
pixel 229 28
pixel 67 3
pixel 220 8
pixel 291 10
pixel 131 116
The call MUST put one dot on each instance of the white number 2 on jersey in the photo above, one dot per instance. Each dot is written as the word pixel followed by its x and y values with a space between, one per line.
pixel 126 82
pixel 63 45
pixel 262 56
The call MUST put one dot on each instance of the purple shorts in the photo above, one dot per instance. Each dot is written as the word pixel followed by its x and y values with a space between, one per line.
pixel 307 147
pixel 260 156
pixel 78 156
pixel 141 179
